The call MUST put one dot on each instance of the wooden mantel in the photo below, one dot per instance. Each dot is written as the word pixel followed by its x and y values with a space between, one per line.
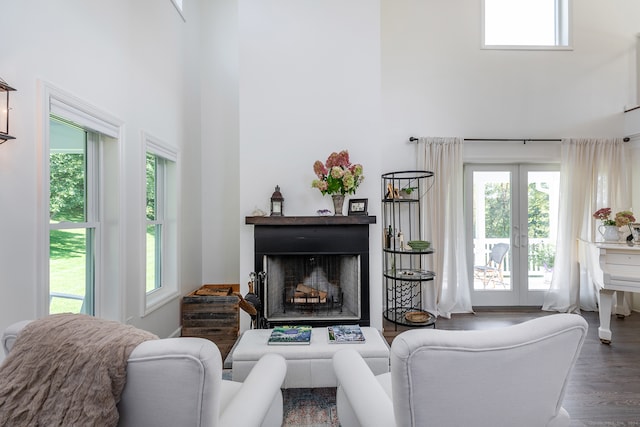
pixel 311 220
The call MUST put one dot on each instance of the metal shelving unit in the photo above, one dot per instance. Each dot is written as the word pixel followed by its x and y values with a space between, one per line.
pixel 405 269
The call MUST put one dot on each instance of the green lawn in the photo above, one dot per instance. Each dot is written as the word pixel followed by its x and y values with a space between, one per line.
pixel 68 268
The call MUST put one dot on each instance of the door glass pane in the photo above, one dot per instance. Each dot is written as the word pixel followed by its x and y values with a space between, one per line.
pixel 543 196
pixel 67 271
pixel 492 230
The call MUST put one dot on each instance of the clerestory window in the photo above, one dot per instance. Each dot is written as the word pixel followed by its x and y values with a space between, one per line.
pixel 526 24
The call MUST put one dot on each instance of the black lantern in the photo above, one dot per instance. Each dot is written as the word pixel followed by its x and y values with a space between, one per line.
pixel 276 202
pixel 4 111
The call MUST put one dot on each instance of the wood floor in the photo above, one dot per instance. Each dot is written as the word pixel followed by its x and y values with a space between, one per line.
pixel 604 387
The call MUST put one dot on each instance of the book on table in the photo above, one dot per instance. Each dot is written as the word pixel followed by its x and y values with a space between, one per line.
pixel 290 335
pixel 345 334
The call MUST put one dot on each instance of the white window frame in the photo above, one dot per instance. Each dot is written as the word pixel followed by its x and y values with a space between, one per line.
pixel 91 224
pixel 109 254
pixel 563 30
pixel 168 216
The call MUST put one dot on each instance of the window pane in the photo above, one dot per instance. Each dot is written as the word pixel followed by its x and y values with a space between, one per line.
pixel 520 22
pixel 492 229
pixel 67 166
pixel 543 201
pixel 160 214
pixel 153 257
pixel 152 168
pixel 68 271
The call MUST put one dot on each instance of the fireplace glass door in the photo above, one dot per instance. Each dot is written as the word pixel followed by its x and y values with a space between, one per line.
pixel 300 288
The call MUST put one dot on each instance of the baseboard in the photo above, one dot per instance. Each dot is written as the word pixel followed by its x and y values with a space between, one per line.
pixel 509 309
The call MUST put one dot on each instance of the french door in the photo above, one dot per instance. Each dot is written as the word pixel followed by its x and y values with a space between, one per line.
pixel 511 219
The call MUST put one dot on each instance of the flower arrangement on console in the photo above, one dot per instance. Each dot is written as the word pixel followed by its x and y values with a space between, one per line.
pixel 625 218
pixel 621 218
pixel 337 175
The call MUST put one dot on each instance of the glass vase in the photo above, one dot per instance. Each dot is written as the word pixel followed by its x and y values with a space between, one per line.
pixel 338 202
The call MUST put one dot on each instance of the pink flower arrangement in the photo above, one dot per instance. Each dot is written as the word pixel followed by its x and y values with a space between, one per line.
pixel 621 218
pixel 337 175
pixel 624 218
pixel 603 215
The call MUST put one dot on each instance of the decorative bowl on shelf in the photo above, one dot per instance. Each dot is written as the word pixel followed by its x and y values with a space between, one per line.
pixel 417 316
pixel 419 245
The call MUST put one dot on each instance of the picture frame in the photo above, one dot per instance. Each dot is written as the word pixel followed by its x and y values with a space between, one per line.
pixel 358 206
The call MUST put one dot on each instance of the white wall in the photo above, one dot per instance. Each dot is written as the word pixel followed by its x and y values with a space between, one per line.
pixel 436 81
pixel 309 79
pixel 137 61
pixel 221 168
pixel 279 84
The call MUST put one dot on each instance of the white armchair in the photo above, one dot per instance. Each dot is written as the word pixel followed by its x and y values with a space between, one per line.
pixel 178 382
pixel 511 376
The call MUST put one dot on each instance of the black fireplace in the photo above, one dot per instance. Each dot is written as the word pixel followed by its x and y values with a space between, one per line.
pixel 312 270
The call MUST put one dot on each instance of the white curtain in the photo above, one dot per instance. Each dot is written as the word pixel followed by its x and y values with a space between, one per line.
pixel 594 174
pixel 444 225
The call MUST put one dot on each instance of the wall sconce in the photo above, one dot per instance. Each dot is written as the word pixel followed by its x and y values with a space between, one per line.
pixel 4 111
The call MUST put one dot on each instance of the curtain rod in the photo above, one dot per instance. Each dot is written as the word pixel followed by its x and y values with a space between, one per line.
pixel 523 140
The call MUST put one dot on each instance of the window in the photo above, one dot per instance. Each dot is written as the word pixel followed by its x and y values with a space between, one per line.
pixel 160 227
pixel 526 24
pixel 73 217
pixel 80 209
pixel 155 220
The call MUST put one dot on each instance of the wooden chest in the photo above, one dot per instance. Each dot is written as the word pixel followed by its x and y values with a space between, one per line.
pixel 212 312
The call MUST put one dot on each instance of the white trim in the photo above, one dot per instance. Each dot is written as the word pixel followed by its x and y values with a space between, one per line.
pixel 58 102
pixel 83 115
pixel 155 299
pixel 159 147
pixel 524 47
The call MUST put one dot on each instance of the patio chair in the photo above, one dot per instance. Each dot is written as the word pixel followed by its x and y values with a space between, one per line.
pixel 491 272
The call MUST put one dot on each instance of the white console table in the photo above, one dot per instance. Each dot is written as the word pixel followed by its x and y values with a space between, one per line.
pixel 614 267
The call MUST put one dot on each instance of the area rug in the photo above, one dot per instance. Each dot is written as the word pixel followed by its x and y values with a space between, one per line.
pixel 310 407
pixel 306 407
